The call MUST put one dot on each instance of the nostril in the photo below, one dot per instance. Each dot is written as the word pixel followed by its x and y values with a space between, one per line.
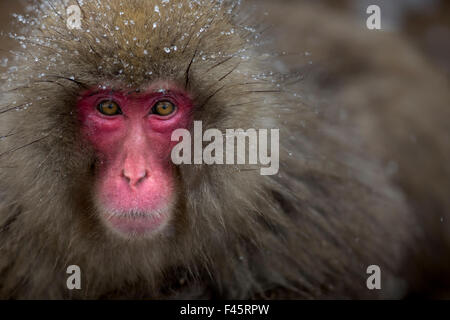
pixel 134 179
pixel 124 175
pixel 143 177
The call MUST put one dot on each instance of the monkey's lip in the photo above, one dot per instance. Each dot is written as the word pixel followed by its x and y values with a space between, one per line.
pixel 136 223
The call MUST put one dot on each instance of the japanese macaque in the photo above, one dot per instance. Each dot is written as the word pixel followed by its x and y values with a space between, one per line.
pixel 87 115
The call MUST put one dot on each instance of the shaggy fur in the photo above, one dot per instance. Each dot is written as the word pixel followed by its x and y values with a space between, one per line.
pixel 308 232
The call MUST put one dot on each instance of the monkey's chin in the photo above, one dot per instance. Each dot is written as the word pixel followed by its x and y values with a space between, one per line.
pixel 136 223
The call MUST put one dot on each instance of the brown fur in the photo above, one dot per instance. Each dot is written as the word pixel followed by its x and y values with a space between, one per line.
pixel 308 232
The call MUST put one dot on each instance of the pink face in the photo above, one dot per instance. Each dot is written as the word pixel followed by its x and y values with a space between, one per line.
pixel 131 134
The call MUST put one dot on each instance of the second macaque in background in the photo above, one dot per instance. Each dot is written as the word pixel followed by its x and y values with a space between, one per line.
pixel 390 97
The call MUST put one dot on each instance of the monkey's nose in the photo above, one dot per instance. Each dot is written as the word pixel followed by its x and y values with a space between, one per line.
pixel 135 177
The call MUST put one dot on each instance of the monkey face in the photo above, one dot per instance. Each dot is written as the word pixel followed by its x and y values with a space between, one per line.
pixel 131 135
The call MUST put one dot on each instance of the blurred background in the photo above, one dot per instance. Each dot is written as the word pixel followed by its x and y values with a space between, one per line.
pixel 425 23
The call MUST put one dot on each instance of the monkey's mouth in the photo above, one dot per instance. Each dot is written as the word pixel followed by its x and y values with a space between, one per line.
pixel 136 223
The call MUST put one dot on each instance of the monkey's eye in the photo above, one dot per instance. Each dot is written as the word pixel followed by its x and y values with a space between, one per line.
pixel 109 108
pixel 163 108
